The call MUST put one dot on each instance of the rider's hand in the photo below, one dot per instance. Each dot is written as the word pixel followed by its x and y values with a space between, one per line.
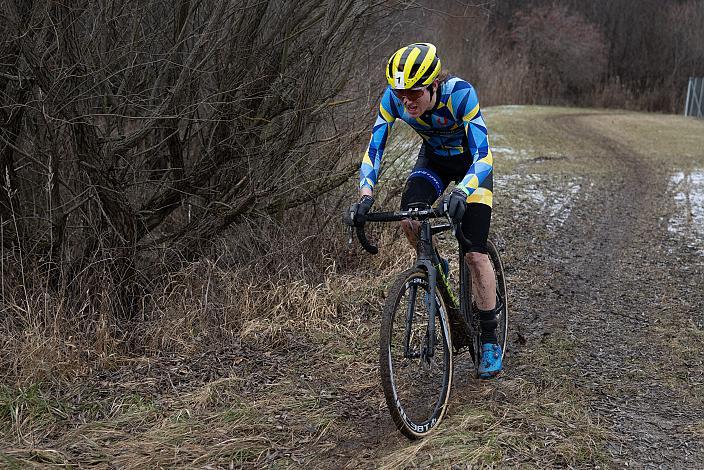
pixel 455 204
pixel 357 214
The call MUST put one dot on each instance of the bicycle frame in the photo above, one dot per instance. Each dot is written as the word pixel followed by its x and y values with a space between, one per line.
pixel 401 344
pixel 427 258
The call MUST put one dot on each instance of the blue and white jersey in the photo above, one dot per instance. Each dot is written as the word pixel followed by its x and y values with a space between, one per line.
pixel 453 127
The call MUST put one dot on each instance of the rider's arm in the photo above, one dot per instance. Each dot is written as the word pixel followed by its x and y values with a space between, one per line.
pixel 369 170
pixel 365 191
pixel 475 129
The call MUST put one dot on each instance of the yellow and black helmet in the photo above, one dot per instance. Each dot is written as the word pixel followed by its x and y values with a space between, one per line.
pixel 414 66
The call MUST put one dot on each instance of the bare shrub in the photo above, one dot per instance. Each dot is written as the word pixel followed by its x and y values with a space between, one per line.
pixel 684 24
pixel 566 53
pixel 503 77
pixel 136 134
pixel 611 94
pixel 475 52
pixel 572 48
pixel 139 132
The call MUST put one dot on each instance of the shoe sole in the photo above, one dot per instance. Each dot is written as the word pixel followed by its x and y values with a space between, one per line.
pixel 491 375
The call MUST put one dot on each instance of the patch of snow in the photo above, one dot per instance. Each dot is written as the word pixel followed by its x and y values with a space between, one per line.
pixel 688 219
pixel 507 153
pixel 549 196
pixel 502 149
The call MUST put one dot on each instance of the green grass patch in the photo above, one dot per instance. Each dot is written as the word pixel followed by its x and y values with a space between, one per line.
pixel 27 409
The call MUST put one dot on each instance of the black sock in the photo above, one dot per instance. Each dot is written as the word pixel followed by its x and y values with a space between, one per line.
pixel 487 319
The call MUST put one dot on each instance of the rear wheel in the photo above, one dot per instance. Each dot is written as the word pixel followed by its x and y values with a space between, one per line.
pixel 416 379
pixel 469 309
pixel 501 296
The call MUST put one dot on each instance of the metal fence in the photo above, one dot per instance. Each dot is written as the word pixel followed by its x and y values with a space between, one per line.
pixel 695 98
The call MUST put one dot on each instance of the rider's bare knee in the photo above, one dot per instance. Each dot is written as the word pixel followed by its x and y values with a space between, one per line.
pixel 410 229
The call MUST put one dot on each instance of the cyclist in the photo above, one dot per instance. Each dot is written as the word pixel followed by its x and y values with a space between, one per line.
pixel 444 111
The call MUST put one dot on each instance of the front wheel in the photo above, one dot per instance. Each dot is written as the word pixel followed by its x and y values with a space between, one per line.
pixel 416 378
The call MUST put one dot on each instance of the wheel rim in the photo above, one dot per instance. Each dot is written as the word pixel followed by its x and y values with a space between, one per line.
pixel 420 382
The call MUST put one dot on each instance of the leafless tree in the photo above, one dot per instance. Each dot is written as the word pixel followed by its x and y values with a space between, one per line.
pixel 567 54
pixel 135 132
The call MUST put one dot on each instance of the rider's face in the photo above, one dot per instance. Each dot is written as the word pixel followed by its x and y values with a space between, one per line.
pixel 416 107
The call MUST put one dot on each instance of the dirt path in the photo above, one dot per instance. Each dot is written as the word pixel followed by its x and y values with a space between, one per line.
pixel 618 289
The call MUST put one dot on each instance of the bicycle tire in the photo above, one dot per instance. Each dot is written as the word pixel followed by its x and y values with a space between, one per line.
pixel 416 389
pixel 501 295
pixel 467 309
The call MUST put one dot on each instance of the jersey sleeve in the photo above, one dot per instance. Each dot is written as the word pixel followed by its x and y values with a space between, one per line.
pixel 478 142
pixel 371 162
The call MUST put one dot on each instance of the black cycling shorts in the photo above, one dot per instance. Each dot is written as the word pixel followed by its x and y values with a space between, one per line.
pixel 429 178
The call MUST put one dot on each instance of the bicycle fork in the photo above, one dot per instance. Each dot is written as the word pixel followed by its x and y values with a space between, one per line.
pixel 432 309
pixel 430 340
pixel 424 260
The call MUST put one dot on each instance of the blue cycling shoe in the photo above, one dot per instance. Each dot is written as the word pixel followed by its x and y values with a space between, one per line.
pixel 490 365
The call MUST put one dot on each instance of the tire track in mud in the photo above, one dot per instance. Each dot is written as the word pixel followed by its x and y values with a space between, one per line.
pixel 612 281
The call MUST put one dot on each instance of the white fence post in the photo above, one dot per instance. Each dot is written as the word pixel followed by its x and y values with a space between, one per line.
pixel 694 105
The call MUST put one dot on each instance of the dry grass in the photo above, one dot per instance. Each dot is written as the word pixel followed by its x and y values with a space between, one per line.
pixel 274 363
pixel 235 368
pixel 299 381
pixel 533 417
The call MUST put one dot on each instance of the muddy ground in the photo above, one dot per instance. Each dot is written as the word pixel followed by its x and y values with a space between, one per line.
pixel 597 214
pixel 605 291
pixel 608 298
pixel 628 292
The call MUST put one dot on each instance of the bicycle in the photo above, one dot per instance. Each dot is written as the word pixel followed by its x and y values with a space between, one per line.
pixel 416 366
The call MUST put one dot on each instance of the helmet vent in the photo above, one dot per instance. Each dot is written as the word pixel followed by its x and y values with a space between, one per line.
pixel 414 69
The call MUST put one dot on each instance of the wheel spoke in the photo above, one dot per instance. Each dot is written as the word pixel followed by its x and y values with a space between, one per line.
pixel 416 381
